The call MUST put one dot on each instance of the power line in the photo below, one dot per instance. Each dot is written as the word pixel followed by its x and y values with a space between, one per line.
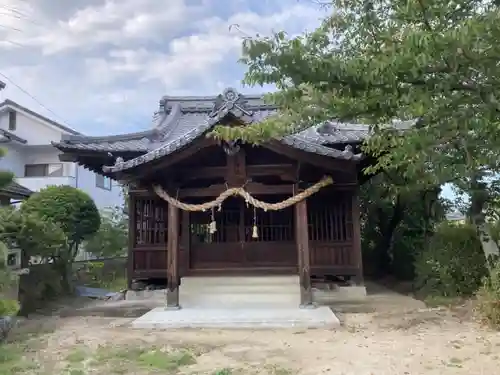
pixel 32 97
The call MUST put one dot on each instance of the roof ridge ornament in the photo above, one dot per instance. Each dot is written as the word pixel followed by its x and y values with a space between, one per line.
pixel 230 101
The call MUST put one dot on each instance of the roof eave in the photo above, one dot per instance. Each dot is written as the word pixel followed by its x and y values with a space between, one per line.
pixel 15 106
pixel 12 137
pixel 16 191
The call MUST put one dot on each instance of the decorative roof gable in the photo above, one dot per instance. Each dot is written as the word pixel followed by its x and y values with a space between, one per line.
pixel 230 101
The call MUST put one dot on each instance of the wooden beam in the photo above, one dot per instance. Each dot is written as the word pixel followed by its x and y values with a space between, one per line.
pixel 236 174
pixel 303 253
pixel 132 227
pixel 288 170
pixel 173 279
pixel 251 187
pixel 325 162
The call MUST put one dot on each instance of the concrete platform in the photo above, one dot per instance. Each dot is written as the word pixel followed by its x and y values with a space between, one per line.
pixel 263 317
pixel 234 302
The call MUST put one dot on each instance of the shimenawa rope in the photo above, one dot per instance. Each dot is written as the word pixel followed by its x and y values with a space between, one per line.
pixel 217 202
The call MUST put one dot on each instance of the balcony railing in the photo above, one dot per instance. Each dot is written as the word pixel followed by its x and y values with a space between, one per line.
pixel 37 183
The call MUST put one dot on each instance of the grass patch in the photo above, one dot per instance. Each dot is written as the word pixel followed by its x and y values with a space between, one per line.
pixel 77 355
pixel 146 358
pixel 224 371
pixel 18 355
pixel 16 359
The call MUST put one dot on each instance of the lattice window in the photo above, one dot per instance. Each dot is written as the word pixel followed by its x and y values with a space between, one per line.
pixel 272 226
pixel 227 222
pixel 151 221
pixel 330 221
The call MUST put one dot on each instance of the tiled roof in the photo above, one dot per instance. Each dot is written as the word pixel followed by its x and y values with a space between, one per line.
pixel 15 190
pixel 184 119
pixel 11 136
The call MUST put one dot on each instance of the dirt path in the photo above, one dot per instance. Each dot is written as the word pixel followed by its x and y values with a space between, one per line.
pixel 388 334
pixel 422 342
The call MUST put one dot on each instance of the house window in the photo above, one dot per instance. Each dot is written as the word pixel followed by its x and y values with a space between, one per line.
pixel 12 120
pixel 43 170
pixel 102 182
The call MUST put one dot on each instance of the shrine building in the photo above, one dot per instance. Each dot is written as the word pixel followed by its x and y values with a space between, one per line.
pixel 200 207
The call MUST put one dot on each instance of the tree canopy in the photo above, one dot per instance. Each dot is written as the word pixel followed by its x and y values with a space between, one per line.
pixel 431 62
pixel 431 65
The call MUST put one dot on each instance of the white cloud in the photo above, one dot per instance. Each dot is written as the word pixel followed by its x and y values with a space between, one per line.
pixel 194 55
pixel 109 62
pixel 114 22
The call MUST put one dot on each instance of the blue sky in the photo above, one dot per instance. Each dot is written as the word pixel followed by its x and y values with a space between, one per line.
pixel 100 66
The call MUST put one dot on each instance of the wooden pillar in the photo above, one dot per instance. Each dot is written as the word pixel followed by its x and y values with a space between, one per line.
pixel 185 242
pixel 302 239
pixel 132 233
pixel 173 259
pixel 356 238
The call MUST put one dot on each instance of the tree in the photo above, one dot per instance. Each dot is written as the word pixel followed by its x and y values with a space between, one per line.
pixel 431 64
pixel 395 225
pixel 73 211
pixel 112 237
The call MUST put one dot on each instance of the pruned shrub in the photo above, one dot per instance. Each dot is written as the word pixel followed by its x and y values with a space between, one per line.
pixel 488 298
pixel 74 212
pixel 70 208
pixel 452 264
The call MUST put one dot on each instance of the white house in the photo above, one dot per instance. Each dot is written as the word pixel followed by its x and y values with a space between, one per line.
pixel 27 136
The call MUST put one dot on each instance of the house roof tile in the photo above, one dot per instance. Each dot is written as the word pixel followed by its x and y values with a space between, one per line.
pixel 15 190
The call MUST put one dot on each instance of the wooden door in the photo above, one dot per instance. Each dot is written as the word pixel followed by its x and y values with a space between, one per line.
pixel 232 246
pixel 222 249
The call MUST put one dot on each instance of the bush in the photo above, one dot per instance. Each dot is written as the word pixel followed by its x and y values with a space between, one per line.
pixel 488 307
pixel 453 263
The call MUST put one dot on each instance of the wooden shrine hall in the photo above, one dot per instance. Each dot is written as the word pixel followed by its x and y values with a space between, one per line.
pixel 202 207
